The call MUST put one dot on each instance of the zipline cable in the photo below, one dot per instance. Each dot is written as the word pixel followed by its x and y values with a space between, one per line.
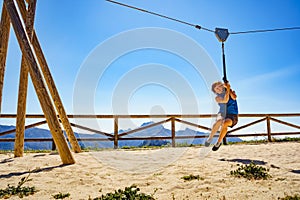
pixel 160 15
pixel 266 30
pixel 221 34
pixel 200 27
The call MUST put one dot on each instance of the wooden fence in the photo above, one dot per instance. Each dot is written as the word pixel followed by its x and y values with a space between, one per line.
pixel 116 136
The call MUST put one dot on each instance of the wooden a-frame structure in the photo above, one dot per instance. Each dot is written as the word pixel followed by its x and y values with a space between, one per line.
pixel 34 64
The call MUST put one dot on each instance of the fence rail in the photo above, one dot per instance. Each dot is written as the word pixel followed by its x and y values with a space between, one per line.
pixel 115 137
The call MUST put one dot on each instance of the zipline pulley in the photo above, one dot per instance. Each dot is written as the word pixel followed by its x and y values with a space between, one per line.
pixel 222 34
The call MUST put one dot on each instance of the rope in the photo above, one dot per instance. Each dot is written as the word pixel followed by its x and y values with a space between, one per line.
pixel 224 65
pixel 266 30
pixel 160 15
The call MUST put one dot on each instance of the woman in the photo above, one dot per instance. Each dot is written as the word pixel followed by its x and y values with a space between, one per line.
pixel 226 98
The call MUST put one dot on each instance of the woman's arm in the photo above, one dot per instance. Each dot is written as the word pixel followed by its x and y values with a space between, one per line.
pixel 233 94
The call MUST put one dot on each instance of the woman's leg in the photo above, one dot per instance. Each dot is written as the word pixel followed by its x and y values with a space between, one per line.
pixel 223 132
pixel 214 129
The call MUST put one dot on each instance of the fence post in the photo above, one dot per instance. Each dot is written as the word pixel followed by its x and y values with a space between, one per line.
pixel 173 131
pixel 116 130
pixel 269 128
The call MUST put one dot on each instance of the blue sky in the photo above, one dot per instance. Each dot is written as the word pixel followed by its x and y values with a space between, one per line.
pixel 263 68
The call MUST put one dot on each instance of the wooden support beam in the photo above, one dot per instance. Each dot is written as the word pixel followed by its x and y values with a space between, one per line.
pixel 143 127
pixel 92 130
pixel 192 124
pixel 39 85
pixel 285 123
pixel 26 127
pixel 4 37
pixel 23 82
pixel 51 85
pixel 247 125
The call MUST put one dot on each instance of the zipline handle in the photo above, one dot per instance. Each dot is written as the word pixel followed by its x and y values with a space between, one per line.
pixel 224 65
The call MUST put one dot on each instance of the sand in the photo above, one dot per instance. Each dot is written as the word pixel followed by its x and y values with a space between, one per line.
pixel 160 170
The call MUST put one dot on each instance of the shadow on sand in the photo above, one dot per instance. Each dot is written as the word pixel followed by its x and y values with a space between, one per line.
pixel 38 170
pixel 296 171
pixel 244 161
pixel 6 160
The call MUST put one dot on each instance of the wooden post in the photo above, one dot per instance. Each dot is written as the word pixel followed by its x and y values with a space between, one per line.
pixel 23 84
pixel 4 37
pixel 269 129
pixel 116 131
pixel 173 131
pixel 51 86
pixel 39 85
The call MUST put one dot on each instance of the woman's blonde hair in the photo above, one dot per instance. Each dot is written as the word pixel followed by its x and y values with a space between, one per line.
pixel 214 85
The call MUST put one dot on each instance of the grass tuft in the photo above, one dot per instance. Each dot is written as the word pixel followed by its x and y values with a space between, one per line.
pixel 288 197
pixel 192 177
pixel 251 172
pixel 18 190
pixel 61 195
pixel 131 192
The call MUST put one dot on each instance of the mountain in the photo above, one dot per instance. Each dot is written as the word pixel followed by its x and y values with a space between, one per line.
pixel 156 131
pixel 29 133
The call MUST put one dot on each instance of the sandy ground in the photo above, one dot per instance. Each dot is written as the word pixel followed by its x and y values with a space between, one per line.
pixel 160 170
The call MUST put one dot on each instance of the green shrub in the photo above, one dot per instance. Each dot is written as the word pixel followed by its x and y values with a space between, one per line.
pixel 288 139
pixel 130 193
pixel 19 190
pixel 127 147
pixel 61 195
pixel 251 171
pixel 295 197
pixel 191 177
